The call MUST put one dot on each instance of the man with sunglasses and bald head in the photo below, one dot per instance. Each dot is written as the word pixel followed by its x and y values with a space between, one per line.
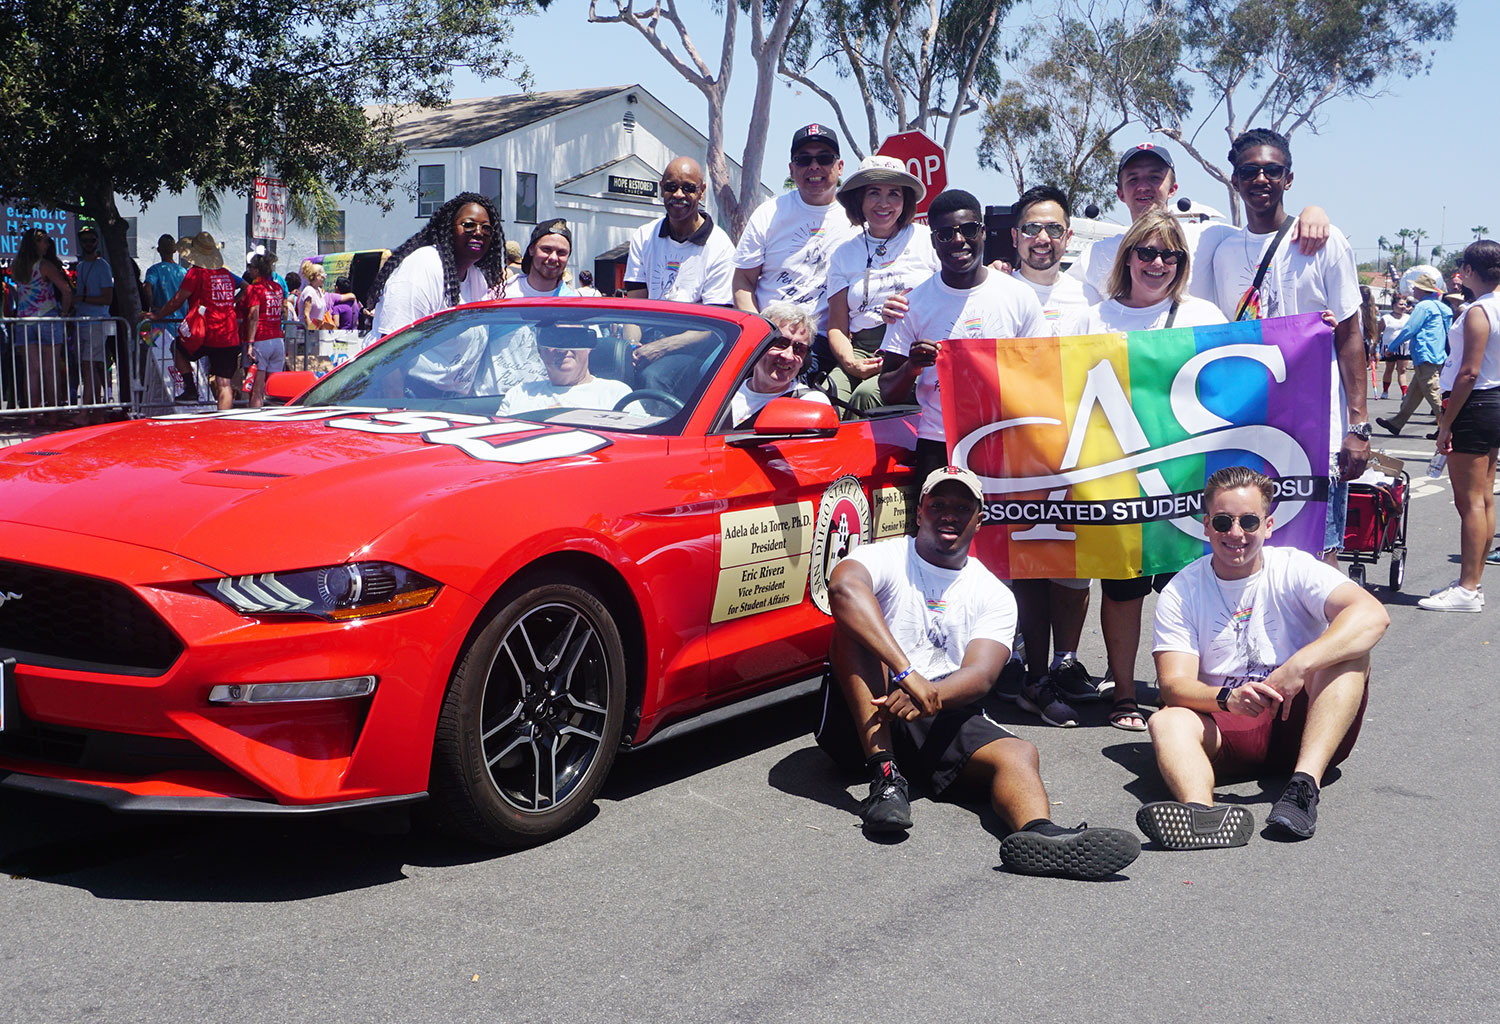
pixel 1263 654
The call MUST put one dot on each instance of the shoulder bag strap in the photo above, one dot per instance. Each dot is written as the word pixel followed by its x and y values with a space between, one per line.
pixel 1265 264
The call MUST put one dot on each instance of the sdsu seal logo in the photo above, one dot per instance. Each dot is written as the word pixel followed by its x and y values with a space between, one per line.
pixel 843 525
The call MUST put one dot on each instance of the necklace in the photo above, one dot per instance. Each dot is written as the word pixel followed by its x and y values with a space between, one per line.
pixel 1239 618
pixel 880 250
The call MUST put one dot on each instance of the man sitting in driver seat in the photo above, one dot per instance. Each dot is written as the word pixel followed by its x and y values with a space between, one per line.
pixel 565 356
pixel 778 372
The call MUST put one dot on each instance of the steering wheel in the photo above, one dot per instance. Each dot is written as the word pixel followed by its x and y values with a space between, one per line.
pixel 653 393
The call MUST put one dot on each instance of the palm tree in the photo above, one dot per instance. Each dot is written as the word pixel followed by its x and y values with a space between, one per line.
pixel 1404 234
pixel 1480 230
pixel 1417 235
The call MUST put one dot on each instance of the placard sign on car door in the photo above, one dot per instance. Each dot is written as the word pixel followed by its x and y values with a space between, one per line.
pixel 764 555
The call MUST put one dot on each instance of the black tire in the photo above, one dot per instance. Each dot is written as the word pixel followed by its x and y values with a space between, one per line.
pixel 1398 568
pixel 531 722
pixel 1357 572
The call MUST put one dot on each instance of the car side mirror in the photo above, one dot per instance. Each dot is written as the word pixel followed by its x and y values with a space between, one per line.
pixel 785 418
pixel 288 384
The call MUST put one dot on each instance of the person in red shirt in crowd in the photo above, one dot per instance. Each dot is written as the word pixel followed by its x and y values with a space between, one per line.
pixel 262 325
pixel 210 288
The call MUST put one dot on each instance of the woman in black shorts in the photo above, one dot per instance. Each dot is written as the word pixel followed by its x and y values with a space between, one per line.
pixel 1469 430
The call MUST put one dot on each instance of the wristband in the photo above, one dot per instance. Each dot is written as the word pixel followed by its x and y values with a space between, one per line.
pixel 896 679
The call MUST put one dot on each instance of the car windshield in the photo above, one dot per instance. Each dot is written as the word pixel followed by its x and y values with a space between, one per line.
pixel 563 364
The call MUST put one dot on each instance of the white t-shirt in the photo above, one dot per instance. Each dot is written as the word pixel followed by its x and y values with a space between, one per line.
pixel 1244 629
pixel 1059 300
pixel 700 269
pixel 1390 326
pixel 998 307
pixel 1093 266
pixel 935 613
pixel 1294 283
pixel 415 289
pixel 792 242
pixel 594 393
pixel 893 264
pixel 746 403
pixel 1113 315
pixel 1489 366
pixel 519 287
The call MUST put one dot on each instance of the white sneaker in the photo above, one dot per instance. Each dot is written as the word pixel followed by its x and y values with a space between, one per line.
pixel 1435 591
pixel 1453 599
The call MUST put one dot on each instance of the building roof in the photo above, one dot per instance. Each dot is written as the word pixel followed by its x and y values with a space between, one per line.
pixel 470 122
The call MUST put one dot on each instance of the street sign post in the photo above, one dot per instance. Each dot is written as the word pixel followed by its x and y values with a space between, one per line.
pixel 270 208
pixel 923 157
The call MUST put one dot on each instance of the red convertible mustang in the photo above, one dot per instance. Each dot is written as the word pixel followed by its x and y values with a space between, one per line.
pixel 389 589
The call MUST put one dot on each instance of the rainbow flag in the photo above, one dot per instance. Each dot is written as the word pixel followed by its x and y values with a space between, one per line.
pixel 1093 450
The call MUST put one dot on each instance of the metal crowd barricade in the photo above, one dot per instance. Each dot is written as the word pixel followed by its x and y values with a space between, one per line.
pixel 68 364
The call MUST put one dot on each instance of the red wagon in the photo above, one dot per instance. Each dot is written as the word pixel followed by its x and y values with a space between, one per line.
pixel 1376 526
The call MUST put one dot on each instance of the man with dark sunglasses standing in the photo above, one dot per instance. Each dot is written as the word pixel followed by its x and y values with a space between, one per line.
pixel 1264 659
pixel 964 299
pixel 1258 276
pixel 784 252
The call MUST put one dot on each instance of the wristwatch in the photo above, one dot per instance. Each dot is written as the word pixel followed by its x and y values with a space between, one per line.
pixel 1359 430
pixel 1223 697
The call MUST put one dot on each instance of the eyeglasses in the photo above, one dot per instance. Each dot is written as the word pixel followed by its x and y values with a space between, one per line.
pixel 808 159
pixel 970 229
pixel 1149 253
pixel 1033 228
pixel 686 188
pixel 471 226
pixel 1249 522
pixel 798 349
pixel 1249 172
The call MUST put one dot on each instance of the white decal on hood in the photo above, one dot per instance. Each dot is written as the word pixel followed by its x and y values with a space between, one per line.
pixel 474 442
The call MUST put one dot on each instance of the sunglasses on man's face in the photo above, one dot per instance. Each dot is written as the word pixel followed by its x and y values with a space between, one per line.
pixel 1249 522
pixel 808 159
pixel 1033 228
pixel 970 229
pixel 1249 172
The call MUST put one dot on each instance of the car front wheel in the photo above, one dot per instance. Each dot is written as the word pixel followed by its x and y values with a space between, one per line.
pixel 532 719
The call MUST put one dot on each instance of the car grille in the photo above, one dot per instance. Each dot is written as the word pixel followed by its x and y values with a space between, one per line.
pixel 49 617
pixel 118 753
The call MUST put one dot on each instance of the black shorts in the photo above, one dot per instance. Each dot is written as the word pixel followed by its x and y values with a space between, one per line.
pixel 930 455
pixel 222 362
pixel 1476 428
pixel 1132 590
pixel 932 749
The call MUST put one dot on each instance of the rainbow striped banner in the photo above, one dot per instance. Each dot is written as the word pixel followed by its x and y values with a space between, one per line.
pixel 1093 450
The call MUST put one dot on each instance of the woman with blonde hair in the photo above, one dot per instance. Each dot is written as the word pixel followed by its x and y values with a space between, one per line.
pixel 41 290
pixel 312 301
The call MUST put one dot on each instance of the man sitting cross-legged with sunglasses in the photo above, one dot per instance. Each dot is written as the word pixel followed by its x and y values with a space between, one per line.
pixel 1263 654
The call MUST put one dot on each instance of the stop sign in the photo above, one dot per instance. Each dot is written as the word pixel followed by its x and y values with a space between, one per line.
pixel 923 158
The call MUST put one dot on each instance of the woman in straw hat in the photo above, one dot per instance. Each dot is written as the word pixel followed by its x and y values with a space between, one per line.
pixel 209 289
pixel 889 257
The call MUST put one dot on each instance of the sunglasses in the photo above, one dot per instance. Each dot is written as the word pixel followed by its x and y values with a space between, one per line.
pixel 1249 522
pixel 808 159
pixel 1149 253
pixel 970 229
pixel 472 226
pixel 1249 172
pixel 1031 229
pixel 669 187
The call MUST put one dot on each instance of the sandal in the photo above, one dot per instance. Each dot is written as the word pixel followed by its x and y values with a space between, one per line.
pixel 1125 710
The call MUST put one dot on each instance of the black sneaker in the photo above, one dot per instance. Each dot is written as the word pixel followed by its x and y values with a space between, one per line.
pixel 188 397
pixel 1388 426
pixel 1012 678
pixel 1042 699
pixel 1296 813
pixel 1073 681
pixel 887 808
pixel 1177 826
pixel 1087 854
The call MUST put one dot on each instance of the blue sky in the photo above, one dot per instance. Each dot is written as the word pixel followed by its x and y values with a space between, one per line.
pixel 1402 160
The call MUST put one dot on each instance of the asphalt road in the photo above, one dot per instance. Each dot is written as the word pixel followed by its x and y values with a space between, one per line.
pixel 724 877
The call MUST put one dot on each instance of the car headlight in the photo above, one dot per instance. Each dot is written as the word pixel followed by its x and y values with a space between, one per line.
pixel 336 592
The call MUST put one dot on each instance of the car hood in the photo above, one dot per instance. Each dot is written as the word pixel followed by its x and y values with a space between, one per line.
pixel 316 489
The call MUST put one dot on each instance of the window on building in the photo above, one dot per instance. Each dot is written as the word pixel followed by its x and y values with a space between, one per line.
pixel 431 188
pixel 187 227
pixel 131 237
pixel 525 197
pixel 331 234
pixel 490 185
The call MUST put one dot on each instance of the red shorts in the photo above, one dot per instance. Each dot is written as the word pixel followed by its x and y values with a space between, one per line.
pixel 1270 743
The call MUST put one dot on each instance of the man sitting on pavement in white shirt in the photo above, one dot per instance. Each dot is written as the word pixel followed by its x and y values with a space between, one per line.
pixel 778 372
pixel 564 352
pixel 1264 659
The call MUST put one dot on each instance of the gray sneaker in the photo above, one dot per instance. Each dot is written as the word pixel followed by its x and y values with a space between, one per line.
pixel 1073 681
pixel 1041 698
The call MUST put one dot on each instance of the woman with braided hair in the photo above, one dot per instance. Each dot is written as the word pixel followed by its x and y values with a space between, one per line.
pixel 454 259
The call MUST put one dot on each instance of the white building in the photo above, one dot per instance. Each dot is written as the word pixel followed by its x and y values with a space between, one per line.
pixel 591 156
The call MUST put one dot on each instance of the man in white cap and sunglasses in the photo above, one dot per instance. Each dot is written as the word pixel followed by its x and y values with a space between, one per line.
pixel 921 631
pixel 1263 654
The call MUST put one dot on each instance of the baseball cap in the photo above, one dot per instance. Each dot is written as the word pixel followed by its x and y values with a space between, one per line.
pixel 1144 149
pixel 557 226
pixel 814 133
pixel 957 474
